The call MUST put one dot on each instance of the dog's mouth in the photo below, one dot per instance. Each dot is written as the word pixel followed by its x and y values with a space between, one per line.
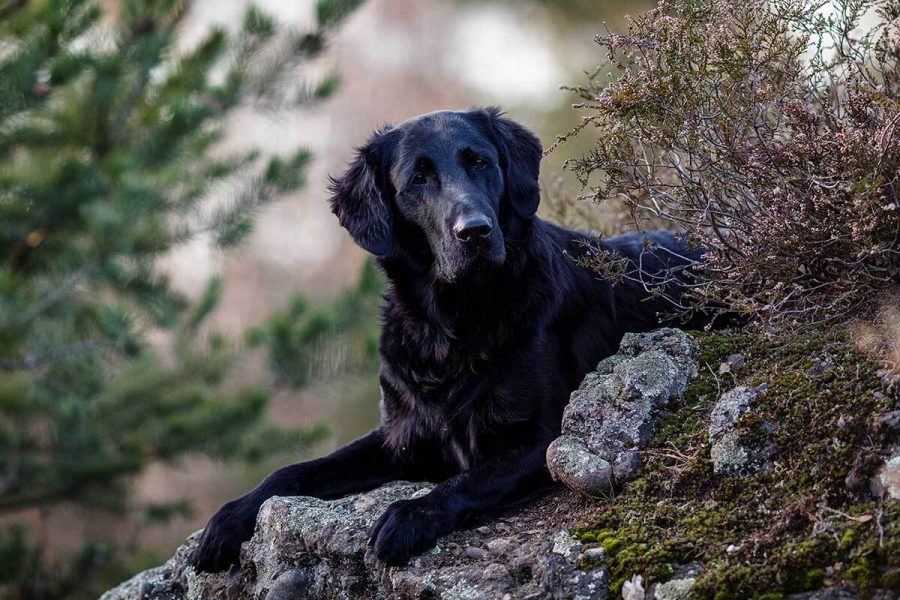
pixel 461 261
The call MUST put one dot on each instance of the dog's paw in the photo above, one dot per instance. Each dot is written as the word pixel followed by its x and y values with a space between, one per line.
pixel 407 528
pixel 220 544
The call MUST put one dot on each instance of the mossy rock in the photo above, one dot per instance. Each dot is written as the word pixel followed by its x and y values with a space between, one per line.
pixel 797 527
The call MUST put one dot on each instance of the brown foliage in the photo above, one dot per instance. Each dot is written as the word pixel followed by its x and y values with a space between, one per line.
pixel 767 132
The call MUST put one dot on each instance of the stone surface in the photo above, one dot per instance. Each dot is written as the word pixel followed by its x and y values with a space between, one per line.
pixel 739 445
pixel 309 548
pixel 633 589
pixel 732 364
pixel 679 585
pixel 675 589
pixel 888 477
pixel 617 409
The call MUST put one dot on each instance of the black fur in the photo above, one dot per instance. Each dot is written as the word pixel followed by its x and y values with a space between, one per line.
pixel 484 335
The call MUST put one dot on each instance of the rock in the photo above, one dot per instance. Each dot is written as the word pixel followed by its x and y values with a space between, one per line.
pixel 633 589
pixel 886 422
pixel 739 444
pixel 570 461
pixel 311 548
pixel 733 363
pixel 290 585
pixel 617 409
pixel 499 546
pixel 565 545
pixel 890 379
pixel 595 553
pixel 821 369
pixel 316 549
pixel 674 589
pixel 592 585
pixel 679 586
pixel 888 477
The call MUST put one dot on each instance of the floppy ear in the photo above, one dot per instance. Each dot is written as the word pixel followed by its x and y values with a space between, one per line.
pixel 520 155
pixel 359 199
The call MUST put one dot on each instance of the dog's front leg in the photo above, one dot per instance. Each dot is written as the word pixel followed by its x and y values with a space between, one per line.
pixel 410 527
pixel 360 466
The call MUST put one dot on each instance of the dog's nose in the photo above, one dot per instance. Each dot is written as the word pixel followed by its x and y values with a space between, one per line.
pixel 472 229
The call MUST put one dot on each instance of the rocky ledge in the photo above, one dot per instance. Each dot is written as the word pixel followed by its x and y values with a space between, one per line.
pixel 763 478
pixel 309 548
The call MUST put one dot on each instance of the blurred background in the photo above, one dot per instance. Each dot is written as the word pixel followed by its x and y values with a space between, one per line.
pixel 294 296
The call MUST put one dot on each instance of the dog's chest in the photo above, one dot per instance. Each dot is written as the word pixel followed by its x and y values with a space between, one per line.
pixel 434 394
pixel 432 359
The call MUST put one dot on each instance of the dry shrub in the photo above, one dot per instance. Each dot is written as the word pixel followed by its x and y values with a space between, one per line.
pixel 767 132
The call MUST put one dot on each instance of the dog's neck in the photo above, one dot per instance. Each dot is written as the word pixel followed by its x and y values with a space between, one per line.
pixel 474 302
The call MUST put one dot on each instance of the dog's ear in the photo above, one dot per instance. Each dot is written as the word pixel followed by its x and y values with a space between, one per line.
pixel 360 200
pixel 520 155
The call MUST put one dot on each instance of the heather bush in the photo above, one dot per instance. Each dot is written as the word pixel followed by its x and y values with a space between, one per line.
pixel 765 131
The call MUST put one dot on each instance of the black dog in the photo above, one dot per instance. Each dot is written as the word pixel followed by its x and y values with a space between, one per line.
pixel 489 324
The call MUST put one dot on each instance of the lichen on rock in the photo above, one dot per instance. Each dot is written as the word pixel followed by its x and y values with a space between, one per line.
pixel 309 548
pixel 809 524
pixel 889 476
pixel 739 444
pixel 617 408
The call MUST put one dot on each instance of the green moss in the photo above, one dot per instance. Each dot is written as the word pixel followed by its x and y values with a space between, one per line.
pixel 849 539
pixel 524 574
pixel 616 585
pixel 890 580
pixel 678 511
pixel 611 545
pixel 813 579
pixel 863 574
pixel 587 537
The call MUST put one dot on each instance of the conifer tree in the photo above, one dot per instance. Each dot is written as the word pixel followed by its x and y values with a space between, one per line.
pixel 106 132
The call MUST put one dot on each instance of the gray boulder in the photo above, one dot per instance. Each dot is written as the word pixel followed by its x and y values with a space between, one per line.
pixel 617 410
pixel 310 548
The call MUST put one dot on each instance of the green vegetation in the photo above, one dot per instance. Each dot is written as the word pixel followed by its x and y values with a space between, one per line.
pixel 107 132
pixel 305 345
pixel 809 521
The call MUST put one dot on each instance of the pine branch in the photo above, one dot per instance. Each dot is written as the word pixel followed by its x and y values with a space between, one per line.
pixel 35 360
pixel 57 293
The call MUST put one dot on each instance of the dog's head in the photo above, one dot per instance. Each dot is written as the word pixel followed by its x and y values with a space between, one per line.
pixel 451 182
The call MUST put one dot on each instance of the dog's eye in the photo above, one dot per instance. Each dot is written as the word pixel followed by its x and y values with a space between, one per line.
pixel 419 179
pixel 480 162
